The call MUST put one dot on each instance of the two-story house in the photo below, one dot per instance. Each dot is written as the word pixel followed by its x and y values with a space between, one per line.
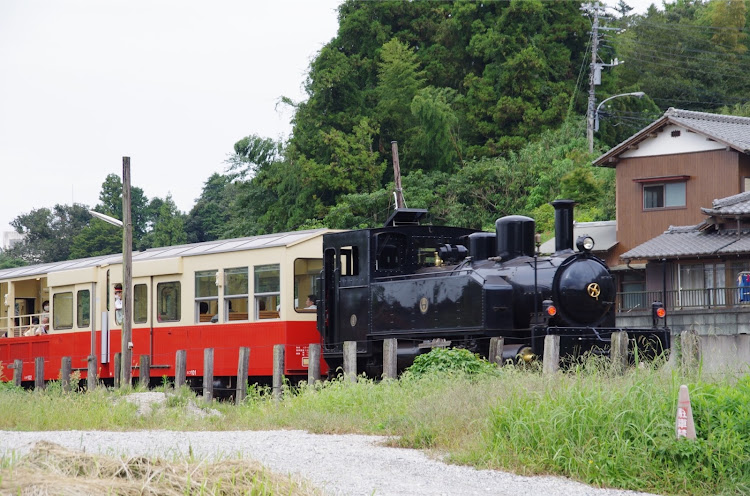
pixel 666 172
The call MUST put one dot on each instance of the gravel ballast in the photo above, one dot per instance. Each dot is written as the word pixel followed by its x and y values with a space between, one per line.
pixel 339 464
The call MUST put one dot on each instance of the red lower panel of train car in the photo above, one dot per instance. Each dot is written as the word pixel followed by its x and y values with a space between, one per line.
pixel 162 343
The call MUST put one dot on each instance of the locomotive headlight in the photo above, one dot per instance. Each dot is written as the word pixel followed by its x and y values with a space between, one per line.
pixel 585 243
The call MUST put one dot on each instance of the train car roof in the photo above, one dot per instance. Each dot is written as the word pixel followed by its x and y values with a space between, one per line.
pixel 207 247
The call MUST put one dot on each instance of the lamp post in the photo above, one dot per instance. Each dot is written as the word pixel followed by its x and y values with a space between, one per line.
pixel 638 94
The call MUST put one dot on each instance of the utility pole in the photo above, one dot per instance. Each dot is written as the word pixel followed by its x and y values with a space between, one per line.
pixel 595 75
pixel 127 278
pixel 594 9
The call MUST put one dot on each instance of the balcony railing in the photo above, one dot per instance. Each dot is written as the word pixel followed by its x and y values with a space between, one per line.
pixel 684 298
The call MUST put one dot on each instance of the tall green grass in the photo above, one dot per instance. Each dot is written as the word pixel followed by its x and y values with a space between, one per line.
pixel 586 423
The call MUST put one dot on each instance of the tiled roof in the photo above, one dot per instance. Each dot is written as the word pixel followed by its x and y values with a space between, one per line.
pixel 735 205
pixel 691 241
pixel 730 130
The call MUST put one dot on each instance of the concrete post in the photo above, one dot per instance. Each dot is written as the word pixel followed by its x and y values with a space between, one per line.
pixel 208 375
pixel 551 354
pixel 390 358
pixel 313 366
pixel 350 361
pixel 618 353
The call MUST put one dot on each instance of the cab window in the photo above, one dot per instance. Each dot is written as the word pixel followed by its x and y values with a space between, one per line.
pixel 306 272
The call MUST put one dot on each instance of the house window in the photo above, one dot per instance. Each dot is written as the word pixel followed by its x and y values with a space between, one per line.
pixel 745 184
pixel 663 195
pixel 702 284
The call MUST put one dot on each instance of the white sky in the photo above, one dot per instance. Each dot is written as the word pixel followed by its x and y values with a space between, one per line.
pixel 172 84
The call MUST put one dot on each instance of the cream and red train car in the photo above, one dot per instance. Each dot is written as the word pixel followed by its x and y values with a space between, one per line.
pixel 222 294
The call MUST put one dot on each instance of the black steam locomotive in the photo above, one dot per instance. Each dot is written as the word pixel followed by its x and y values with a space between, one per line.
pixel 433 286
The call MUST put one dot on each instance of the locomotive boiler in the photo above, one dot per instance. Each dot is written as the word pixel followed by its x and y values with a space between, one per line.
pixel 431 286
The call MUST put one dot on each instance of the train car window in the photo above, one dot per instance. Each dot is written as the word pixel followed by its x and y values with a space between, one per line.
pixel 306 272
pixel 236 293
pixel 267 291
pixel 349 260
pixel 391 249
pixel 83 308
pixel 140 303
pixel 62 305
pixel 168 301
pixel 206 296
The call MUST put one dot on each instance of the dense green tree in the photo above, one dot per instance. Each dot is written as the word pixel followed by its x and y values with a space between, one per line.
pixel 48 233
pixel 168 226
pixel 97 238
pixel 7 261
pixel 211 215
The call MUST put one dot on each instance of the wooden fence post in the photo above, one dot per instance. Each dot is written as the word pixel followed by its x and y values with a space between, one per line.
pixel 496 350
pixel 118 368
pixel 17 372
pixel 144 371
pixel 243 364
pixel 618 352
pixel 65 369
pixel 39 373
pixel 350 361
pixel 691 351
pixel 278 370
pixel 208 374
pixel 313 365
pixel 180 368
pixel 551 354
pixel 390 358
pixel 91 373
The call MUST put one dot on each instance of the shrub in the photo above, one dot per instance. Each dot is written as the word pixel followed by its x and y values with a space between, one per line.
pixel 450 360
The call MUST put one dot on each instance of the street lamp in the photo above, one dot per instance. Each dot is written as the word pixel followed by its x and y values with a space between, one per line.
pixel 106 218
pixel 638 94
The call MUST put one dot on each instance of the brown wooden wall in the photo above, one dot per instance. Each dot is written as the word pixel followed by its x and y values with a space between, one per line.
pixel 713 174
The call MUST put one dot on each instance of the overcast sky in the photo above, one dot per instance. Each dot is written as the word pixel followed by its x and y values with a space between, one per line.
pixel 172 84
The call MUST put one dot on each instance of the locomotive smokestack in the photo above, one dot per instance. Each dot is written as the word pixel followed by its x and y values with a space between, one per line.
pixel 563 224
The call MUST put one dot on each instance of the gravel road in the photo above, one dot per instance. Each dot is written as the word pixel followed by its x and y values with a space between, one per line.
pixel 339 464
